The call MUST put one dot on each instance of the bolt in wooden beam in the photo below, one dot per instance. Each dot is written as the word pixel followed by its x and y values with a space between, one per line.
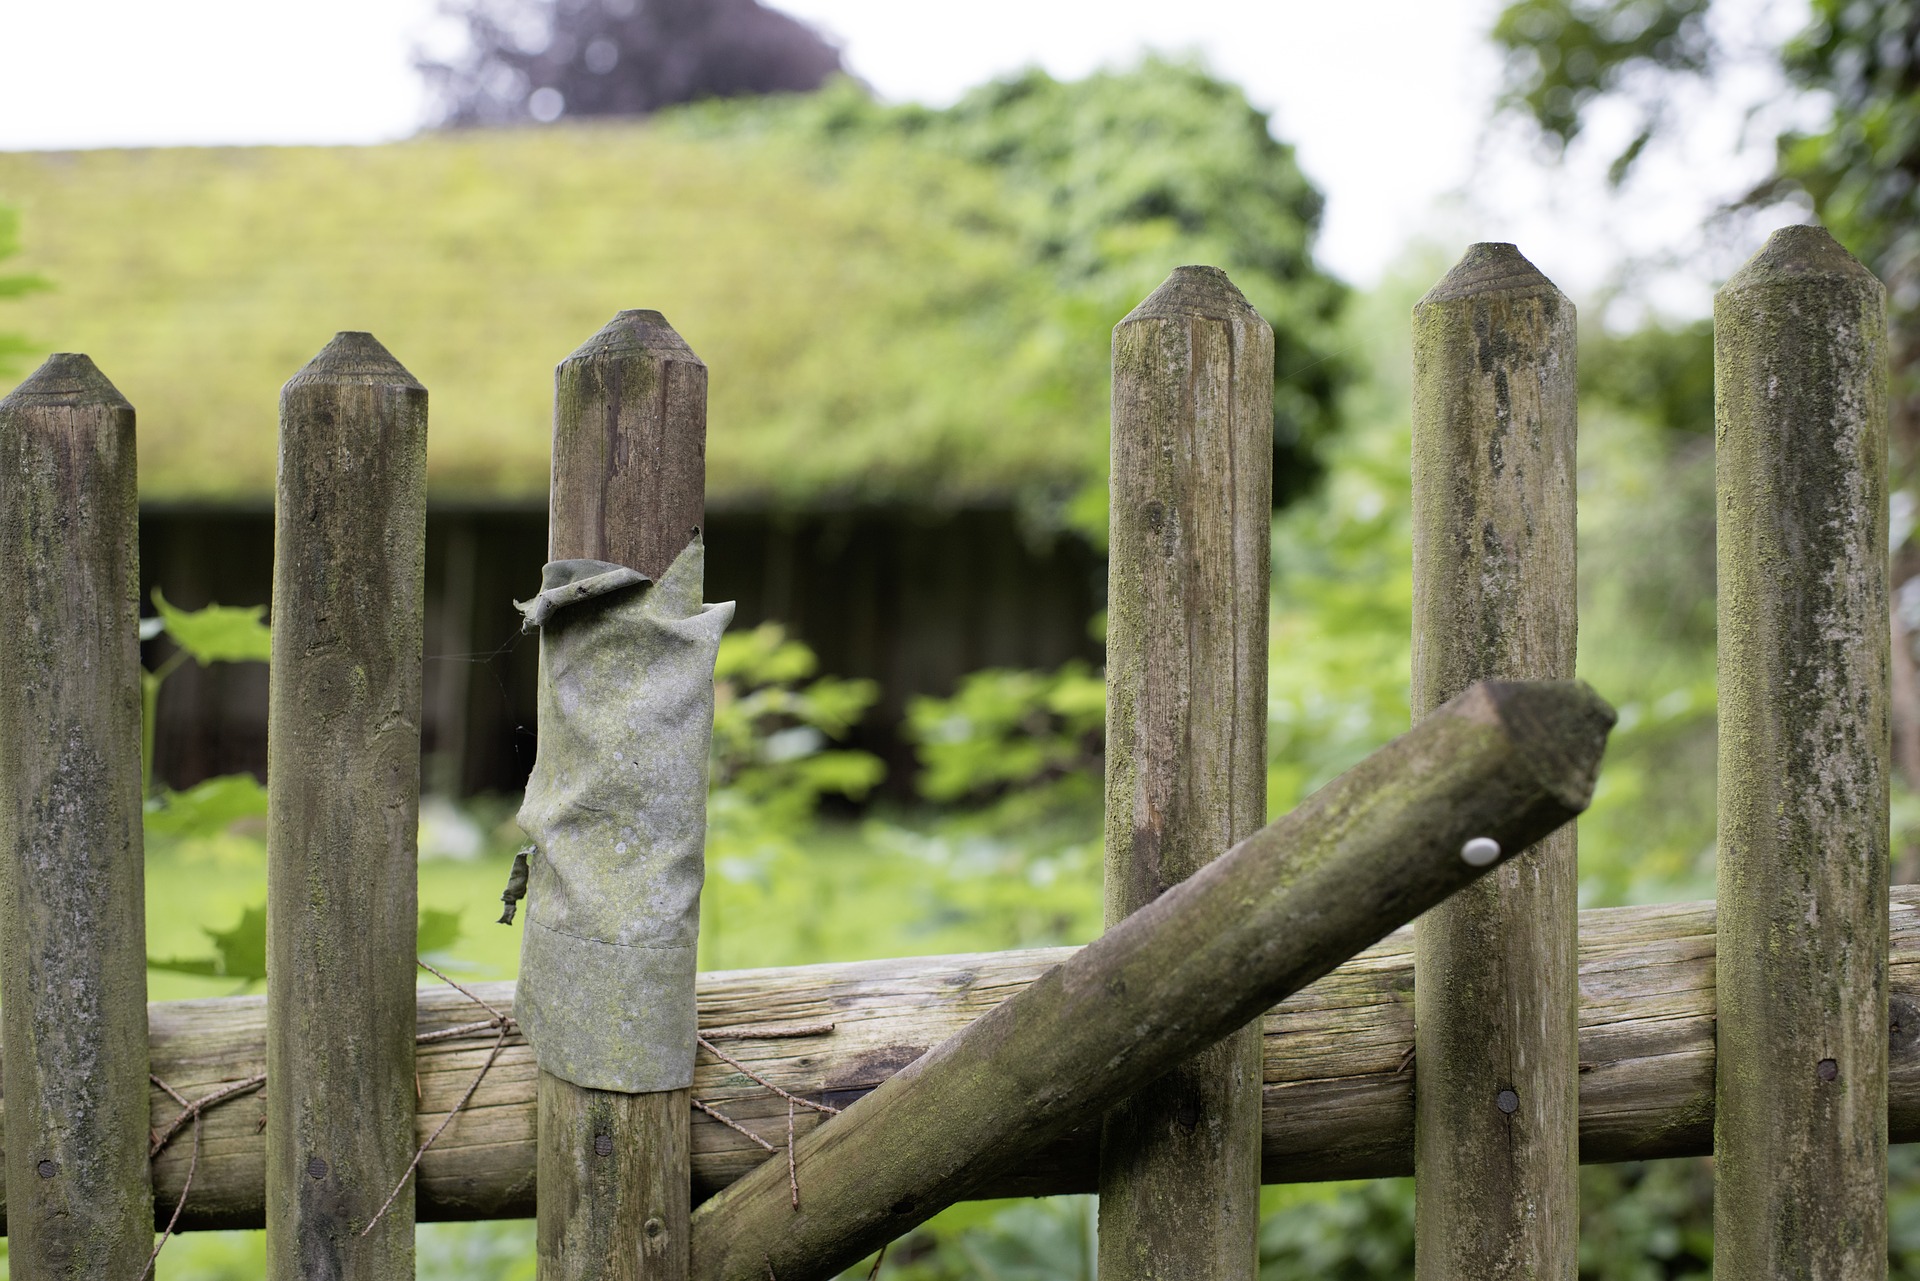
pixel 343 785
pixel 629 486
pixel 1800 1132
pixel 73 965
pixel 1192 486
pixel 1505 763
pixel 1496 1130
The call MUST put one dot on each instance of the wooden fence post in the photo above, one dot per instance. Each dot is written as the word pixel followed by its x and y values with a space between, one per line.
pixel 629 486
pixel 1496 1002
pixel 73 965
pixel 1800 1130
pixel 1186 772
pixel 1496 769
pixel 343 735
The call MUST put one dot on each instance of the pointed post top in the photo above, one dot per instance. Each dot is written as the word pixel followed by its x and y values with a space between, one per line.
pixel 65 378
pixel 1204 292
pixel 1491 267
pixel 634 332
pixel 1802 252
pixel 355 357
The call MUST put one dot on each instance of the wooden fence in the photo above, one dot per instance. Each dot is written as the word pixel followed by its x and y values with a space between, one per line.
pixel 834 1107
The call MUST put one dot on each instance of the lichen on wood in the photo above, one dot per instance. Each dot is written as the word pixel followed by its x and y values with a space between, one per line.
pixel 1192 499
pixel 1496 1119
pixel 343 742
pixel 1800 352
pixel 629 487
pixel 1371 850
pixel 73 981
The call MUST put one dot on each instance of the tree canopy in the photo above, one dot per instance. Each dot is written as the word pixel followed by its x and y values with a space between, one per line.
pixel 542 59
pixel 1858 168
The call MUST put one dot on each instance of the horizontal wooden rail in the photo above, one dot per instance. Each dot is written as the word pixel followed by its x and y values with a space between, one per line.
pixel 1339 1083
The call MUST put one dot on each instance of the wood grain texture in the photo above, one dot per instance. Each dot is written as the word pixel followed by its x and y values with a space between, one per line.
pixel 629 486
pixel 73 970
pixel 629 446
pixel 1186 780
pixel 343 738
pixel 1496 1188
pixel 1800 354
pixel 1370 850
pixel 1338 1085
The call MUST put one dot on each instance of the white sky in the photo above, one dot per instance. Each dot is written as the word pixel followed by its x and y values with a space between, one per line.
pixel 1386 101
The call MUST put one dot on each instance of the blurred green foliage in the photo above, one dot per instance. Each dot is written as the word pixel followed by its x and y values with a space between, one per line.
pixel 1105 184
pixel 13 347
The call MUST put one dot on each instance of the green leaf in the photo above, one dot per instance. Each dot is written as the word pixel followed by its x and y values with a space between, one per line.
pixel 208 808
pixel 218 633
pixel 239 953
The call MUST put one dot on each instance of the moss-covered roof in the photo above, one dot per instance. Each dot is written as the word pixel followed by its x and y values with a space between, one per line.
pixel 884 297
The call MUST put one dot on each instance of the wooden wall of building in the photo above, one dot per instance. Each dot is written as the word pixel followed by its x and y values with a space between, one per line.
pixel 913 600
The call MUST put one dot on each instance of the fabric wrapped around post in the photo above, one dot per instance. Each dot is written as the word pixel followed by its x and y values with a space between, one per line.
pixel 617 811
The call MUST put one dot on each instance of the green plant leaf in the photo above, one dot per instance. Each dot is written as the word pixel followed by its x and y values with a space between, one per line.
pixel 218 633
pixel 239 953
pixel 208 808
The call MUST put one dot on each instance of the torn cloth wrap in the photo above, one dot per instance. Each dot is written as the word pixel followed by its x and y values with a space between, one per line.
pixel 617 810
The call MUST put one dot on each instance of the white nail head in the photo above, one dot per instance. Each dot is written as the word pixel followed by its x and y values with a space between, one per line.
pixel 1481 851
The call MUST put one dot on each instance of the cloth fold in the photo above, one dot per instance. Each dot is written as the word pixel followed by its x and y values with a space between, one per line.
pixel 616 808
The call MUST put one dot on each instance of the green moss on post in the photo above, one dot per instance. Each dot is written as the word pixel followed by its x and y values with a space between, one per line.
pixel 1496 1106
pixel 1366 853
pixel 1800 1129
pixel 629 486
pixel 343 743
pixel 73 967
pixel 1192 486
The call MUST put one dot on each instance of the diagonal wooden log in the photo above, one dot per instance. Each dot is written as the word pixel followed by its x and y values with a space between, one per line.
pixel 1496 769
pixel 1338 1083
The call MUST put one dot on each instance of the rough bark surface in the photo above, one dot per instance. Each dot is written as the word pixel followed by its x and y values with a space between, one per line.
pixel 1337 1068
pixel 1367 852
pixel 73 966
pixel 1186 739
pixel 1800 357
pixel 629 487
pixel 1496 1188
pixel 343 737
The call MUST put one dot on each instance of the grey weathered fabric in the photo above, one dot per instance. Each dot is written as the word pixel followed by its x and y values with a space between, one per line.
pixel 617 811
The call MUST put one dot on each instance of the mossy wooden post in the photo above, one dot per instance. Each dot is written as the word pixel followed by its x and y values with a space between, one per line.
pixel 1496 1110
pixel 1501 766
pixel 1800 1130
pixel 1192 487
pixel 343 783
pixel 73 965
pixel 629 486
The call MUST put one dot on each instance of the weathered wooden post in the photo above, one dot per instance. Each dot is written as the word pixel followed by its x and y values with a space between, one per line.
pixel 1800 1130
pixel 1192 486
pixel 343 746
pixel 629 486
pixel 1493 771
pixel 73 966
pixel 1496 1111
